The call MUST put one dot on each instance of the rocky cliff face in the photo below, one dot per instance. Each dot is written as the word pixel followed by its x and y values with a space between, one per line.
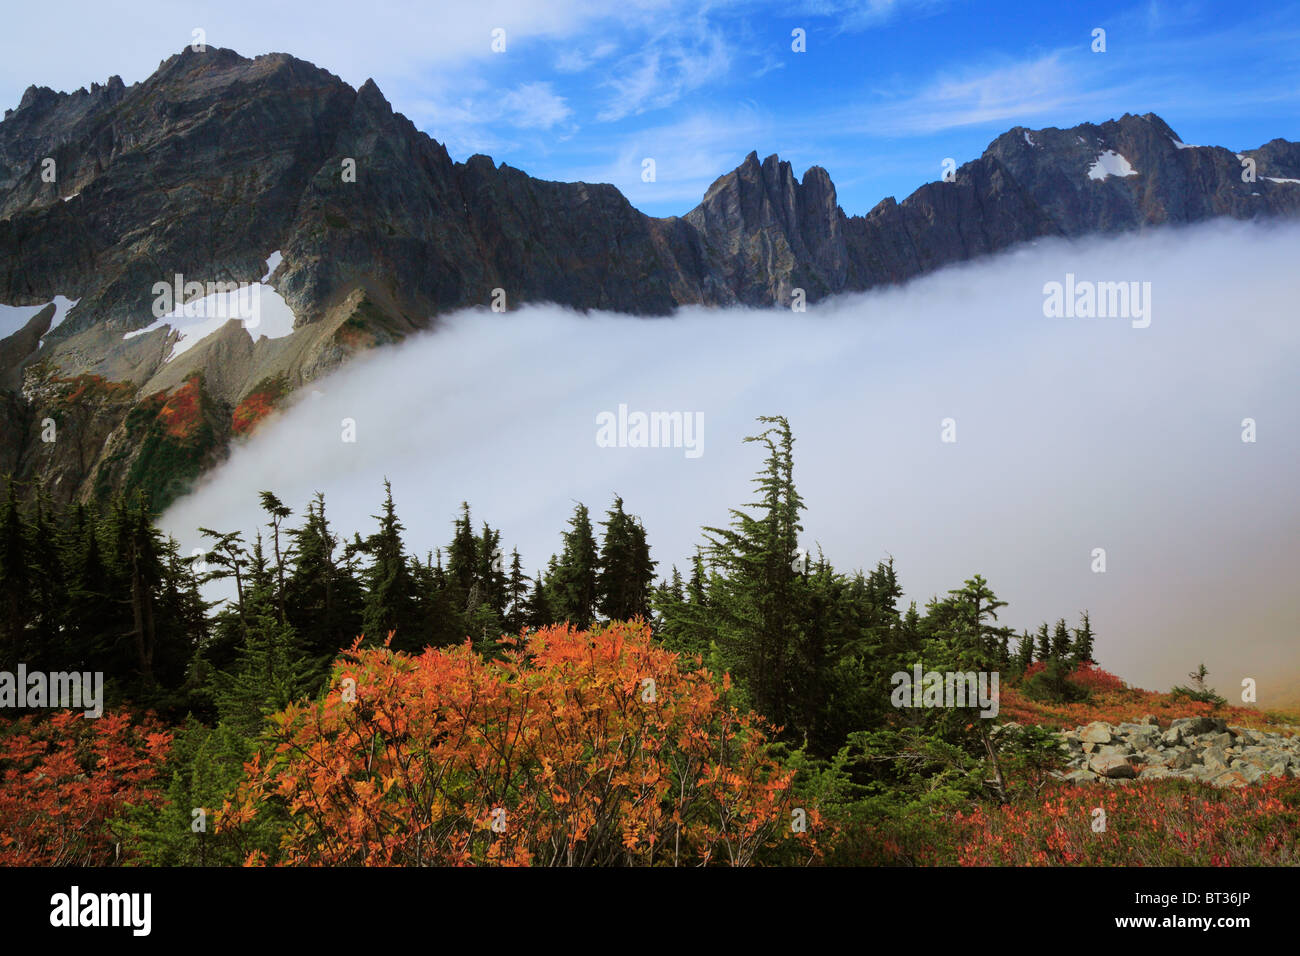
pixel 216 162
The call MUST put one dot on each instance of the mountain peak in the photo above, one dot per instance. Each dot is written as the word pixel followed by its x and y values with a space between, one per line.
pixel 255 144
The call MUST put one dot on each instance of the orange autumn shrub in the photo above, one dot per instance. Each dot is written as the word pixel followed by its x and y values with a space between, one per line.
pixel 64 779
pixel 181 413
pixel 574 748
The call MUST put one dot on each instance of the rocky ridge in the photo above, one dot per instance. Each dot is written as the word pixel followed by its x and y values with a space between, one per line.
pixel 217 161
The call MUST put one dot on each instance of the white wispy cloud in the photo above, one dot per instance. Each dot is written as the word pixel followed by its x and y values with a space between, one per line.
pixel 1008 92
pixel 576 59
pixel 689 154
pixel 534 106
pixel 856 15
pixel 681 58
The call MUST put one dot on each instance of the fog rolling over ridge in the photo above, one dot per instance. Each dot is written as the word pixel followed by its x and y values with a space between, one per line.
pixel 1071 434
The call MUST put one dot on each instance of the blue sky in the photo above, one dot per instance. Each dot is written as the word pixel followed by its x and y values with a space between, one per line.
pixel 585 90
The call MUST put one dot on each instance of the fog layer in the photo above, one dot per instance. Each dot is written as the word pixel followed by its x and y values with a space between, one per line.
pixel 1072 434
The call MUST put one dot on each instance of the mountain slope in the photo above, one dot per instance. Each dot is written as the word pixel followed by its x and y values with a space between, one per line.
pixel 217 162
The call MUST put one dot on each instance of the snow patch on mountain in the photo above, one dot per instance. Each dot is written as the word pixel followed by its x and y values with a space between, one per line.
pixel 257 305
pixel 1110 163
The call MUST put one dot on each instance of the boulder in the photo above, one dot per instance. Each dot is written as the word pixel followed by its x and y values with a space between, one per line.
pixel 1097 732
pixel 1156 773
pixel 1214 759
pixel 1111 766
pixel 1143 737
pixel 1185 760
pixel 1200 725
pixel 1252 773
pixel 1119 748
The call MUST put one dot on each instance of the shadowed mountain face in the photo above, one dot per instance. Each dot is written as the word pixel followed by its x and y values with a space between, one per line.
pixel 216 162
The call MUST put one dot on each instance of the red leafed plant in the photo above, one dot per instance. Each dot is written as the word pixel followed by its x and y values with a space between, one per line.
pixel 1091 677
pixel 63 779
pixel 1087 675
pixel 182 410
pixel 574 748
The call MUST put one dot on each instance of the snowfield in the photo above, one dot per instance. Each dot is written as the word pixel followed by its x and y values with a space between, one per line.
pixel 1110 163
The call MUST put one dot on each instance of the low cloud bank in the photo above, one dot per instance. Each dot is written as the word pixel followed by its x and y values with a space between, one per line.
pixel 1072 434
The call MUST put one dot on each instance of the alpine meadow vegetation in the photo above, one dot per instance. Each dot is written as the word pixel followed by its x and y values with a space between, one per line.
pixel 354 702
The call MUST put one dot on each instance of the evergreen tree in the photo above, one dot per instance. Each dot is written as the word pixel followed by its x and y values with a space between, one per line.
pixel 144 567
pixel 490 575
pixel 272 670
pixel 758 598
pixel 539 608
pixel 95 614
pixel 49 590
pixel 626 571
pixel 277 512
pixel 666 602
pixel 516 596
pixel 1044 643
pixel 16 611
pixel 228 559
pixel 444 605
pixel 967 641
pixel 910 632
pixel 1024 653
pixel 1061 642
pixel 1083 643
pixel 322 598
pixel 391 605
pixel 574 581
pixel 463 557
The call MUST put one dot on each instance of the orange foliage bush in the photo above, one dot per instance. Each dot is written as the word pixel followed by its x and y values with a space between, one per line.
pixel 63 779
pixel 257 405
pixel 574 748
pixel 250 412
pixel 181 412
